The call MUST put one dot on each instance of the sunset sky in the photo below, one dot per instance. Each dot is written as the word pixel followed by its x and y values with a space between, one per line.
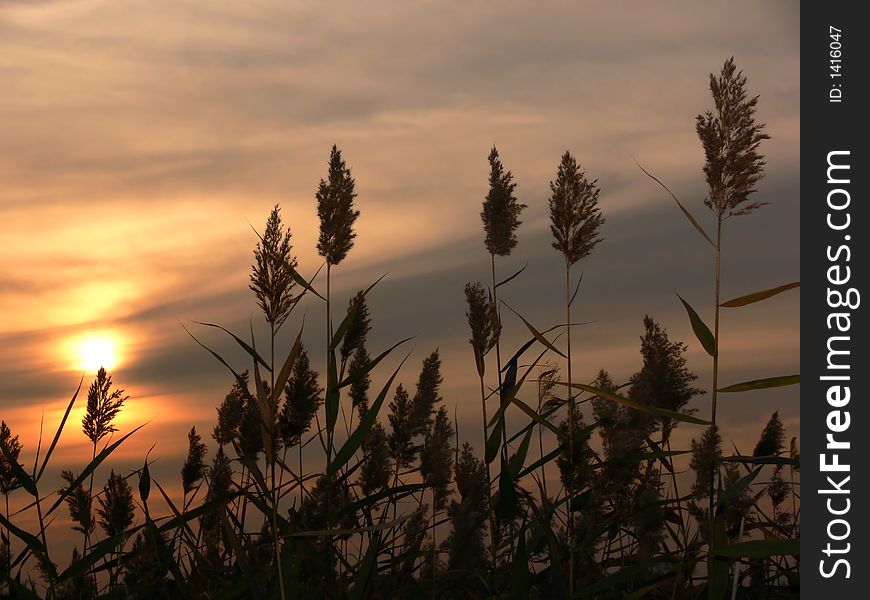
pixel 141 142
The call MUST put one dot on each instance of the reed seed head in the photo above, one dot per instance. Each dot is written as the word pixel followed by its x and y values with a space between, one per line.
pixel 272 272
pixel 335 208
pixel 772 440
pixel 104 404
pixel 10 443
pixel 574 213
pixel 501 210
pixel 302 398
pixel 731 138
pixel 116 505
pixel 194 468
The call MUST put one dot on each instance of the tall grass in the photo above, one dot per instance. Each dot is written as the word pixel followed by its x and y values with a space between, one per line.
pixel 404 505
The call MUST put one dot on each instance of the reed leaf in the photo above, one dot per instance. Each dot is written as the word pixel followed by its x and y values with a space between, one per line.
pixel 761 384
pixel 90 468
pixel 686 212
pixel 702 332
pixel 59 431
pixel 244 345
pixel 660 412
pixel 759 296
pixel 761 548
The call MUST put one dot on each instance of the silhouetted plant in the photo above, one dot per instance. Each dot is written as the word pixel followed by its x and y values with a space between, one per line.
pixel 468 515
pixel 230 415
pixel 436 460
pixel 427 395
pixel 11 447
pixel 664 381
pixel 501 211
pixel 116 512
pixel 355 336
pixel 400 439
pixel 104 404
pixel 359 389
pixel 79 503
pixel 335 197
pixel 375 474
pixel 194 468
pixel 731 138
pixel 272 273
pixel 772 439
pixel 574 214
pixel 485 331
pixel 733 166
pixel 302 398
pixel 116 506
pixel 500 217
pixel 574 222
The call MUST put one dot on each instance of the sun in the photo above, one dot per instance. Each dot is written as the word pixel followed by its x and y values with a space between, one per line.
pixel 95 352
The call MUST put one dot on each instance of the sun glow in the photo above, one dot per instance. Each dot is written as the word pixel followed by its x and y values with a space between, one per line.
pixel 96 351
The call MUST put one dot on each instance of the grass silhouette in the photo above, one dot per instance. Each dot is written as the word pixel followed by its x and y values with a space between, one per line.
pixel 403 508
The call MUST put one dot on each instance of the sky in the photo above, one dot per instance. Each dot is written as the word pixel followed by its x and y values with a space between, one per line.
pixel 142 143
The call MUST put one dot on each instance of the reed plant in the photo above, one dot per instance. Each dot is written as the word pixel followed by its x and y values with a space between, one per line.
pixel 403 505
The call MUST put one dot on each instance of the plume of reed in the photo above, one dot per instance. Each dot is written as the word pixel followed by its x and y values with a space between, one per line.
pixel 194 466
pixel 731 138
pixel 359 389
pixel 116 512
pixel 772 439
pixel 230 413
pixel 116 509
pixel 12 448
pixel 548 404
pixel 436 459
pixel 8 481
pixel 664 381
pixel 103 406
pixel 79 503
pixel 302 398
pixel 648 514
pixel 251 430
pixel 465 543
pixel 375 474
pixel 483 322
pixel 427 395
pixel 355 336
pixel 501 210
pixel 272 272
pixel 575 219
pixel 401 436
pixel 335 197
pixel 436 464
pixel 220 476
